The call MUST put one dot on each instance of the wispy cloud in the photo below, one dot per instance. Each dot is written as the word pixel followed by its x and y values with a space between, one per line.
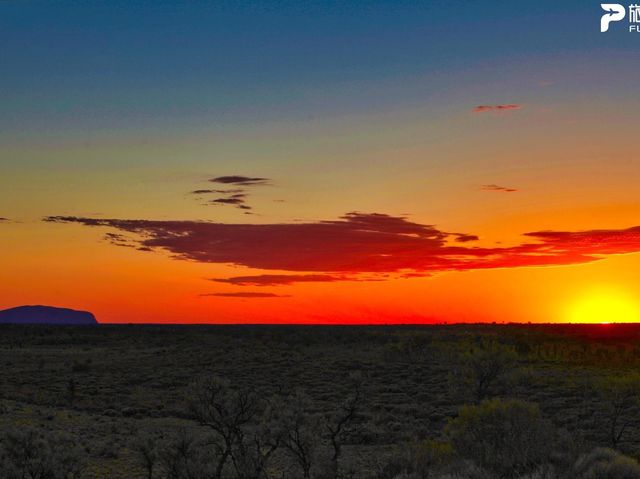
pixel 217 191
pixel 498 188
pixel 241 180
pixel 229 201
pixel 507 107
pixel 282 279
pixel 465 238
pixel 360 243
pixel 232 196
pixel 247 295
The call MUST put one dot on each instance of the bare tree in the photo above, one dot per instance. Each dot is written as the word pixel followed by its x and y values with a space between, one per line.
pixel 146 449
pixel 299 431
pixel 621 397
pixel 183 457
pixel 251 457
pixel 486 368
pixel 26 453
pixel 226 412
pixel 244 436
pixel 338 423
pixel 507 438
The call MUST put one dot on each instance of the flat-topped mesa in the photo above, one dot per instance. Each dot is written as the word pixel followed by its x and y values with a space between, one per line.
pixel 46 315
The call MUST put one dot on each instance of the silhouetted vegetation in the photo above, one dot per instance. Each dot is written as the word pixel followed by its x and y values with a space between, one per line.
pixel 259 402
pixel 26 453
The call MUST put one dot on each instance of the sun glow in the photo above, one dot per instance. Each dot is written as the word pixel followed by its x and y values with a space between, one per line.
pixel 604 307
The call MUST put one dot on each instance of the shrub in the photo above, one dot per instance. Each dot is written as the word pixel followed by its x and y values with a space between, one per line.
pixel 621 402
pixel 146 449
pixel 27 454
pixel 185 457
pixel 418 460
pixel 606 464
pixel 486 370
pixel 508 438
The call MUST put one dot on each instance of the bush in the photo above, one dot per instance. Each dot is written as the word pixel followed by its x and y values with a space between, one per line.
pixel 418 460
pixel 507 438
pixel 621 402
pixel 186 457
pixel 606 464
pixel 27 454
pixel 486 371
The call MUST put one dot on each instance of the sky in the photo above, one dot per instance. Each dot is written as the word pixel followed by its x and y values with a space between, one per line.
pixel 367 162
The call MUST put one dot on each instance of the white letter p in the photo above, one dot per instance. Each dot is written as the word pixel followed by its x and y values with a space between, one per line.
pixel 615 13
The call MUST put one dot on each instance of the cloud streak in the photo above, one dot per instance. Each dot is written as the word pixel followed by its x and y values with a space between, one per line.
pixel 507 107
pixel 232 196
pixel 281 279
pixel 498 188
pixel 465 238
pixel 241 180
pixel 359 244
pixel 246 295
pixel 222 192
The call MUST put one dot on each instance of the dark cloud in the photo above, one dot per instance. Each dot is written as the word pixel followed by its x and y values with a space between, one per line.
pixel 235 197
pixel 241 180
pixel 117 239
pixel 601 242
pixel 247 294
pixel 498 188
pixel 2 219
pixel 222 192
pixel 465 238
pixel 202 192
pixel 360 243
pixel 281 279
pixel 232 196
pixel 485 108
pixel 228 201
pixel 414 275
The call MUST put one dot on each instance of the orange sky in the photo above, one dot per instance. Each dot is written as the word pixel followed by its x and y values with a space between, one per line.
pixel 399 179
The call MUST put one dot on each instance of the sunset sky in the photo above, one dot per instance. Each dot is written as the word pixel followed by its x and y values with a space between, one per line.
pixel 320 162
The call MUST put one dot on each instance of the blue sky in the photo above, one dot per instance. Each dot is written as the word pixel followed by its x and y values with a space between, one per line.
pixel 101 66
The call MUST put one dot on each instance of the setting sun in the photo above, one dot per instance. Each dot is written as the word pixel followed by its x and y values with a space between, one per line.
pixel 604 307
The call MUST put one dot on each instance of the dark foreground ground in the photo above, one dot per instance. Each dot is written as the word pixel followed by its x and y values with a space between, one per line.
pixel 119 391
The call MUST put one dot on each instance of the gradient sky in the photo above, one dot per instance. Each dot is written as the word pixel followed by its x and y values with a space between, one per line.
pixel 371 161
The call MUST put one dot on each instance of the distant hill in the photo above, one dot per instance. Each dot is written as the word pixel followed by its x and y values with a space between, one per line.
pixel 46 315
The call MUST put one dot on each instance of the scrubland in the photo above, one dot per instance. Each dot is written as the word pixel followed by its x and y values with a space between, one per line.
pixel 289 402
